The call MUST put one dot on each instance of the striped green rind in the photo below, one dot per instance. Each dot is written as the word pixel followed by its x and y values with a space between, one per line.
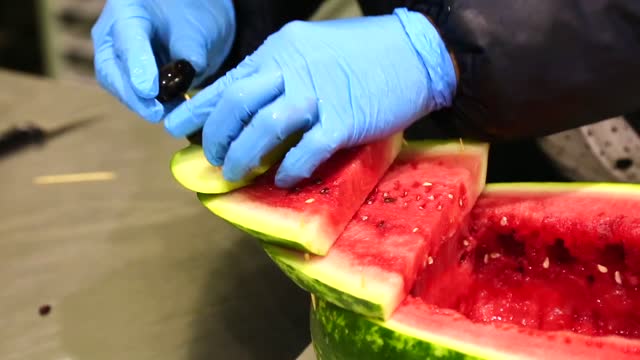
pixel 339 334
pixel 268 239
pixel 319 281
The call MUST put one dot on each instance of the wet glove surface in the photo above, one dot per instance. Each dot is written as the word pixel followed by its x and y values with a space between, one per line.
pixel 342 83
pixel 133 38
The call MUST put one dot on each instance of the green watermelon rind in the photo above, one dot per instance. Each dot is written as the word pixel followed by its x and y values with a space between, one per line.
pixel 338 333
pixel 340 292
pixel 329 281
pixel 265 238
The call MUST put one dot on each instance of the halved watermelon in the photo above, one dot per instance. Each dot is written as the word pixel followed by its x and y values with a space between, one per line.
pixel 417 206
pixel 311 216
pixel 539 271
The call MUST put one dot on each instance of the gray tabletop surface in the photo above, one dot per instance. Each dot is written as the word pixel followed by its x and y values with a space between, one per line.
pixel 127 262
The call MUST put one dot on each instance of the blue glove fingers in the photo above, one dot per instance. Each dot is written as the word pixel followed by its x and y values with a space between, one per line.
pixel 191 115
pixel 132 44
pixel 111 78
pixel 269 127
pixel 315 147
pixel 239 102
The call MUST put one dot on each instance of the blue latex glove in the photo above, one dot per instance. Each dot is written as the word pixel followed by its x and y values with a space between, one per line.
pixel 341 82
pixel 133 38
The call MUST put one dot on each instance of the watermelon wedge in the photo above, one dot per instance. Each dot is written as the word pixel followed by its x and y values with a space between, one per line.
pixel 311 216
pixel 538 271
pixel 417 206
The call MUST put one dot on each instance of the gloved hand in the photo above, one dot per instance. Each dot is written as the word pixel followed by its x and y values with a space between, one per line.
pixel 133 38
pixel 341 82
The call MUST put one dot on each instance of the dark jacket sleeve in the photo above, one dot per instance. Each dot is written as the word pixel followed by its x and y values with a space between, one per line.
pixel 532 68
pixel 257 19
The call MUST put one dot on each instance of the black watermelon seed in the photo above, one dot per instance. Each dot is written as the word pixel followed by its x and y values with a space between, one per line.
pixel 623 163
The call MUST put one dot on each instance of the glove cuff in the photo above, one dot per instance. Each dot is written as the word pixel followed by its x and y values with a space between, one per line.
pixel 433 54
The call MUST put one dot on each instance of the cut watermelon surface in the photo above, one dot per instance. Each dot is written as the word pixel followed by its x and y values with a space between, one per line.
pixel 542 271
pixel 311 216
pixel 398 230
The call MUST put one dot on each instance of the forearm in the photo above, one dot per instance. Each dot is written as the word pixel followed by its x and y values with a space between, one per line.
pixel 533 68
pixel 257 19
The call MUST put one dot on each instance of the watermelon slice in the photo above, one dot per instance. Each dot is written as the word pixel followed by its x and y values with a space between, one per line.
pixel 539 271
pixel 418 205
pixel 311 216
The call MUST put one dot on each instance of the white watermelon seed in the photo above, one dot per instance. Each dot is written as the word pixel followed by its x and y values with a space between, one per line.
pixel 486 258
pixel 504 221
pixel 602 269
pixel 309 201
pixel 450 196
pixel 495 255
pixel 415 229
pixel 421 207
pixel 618 278
pixel 465 242
pixel 385 195
pixel 545 264
pixel 431 197
pixel 461 203
pixel 426 183
pixel 439 207
pixel 364 218
pixel 429 260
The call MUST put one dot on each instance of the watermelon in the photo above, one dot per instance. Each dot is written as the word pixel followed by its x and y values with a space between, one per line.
pixel 310 216
pixel 537 271
pixel 416 206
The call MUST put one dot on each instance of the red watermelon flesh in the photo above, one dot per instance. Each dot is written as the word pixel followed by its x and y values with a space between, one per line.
pixel 544 260
pixel 415 207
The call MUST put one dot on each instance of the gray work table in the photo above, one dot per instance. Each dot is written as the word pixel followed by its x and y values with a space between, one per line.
pixel 131 265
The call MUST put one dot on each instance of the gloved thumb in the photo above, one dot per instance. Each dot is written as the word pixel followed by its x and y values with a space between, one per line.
pixel 315 147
